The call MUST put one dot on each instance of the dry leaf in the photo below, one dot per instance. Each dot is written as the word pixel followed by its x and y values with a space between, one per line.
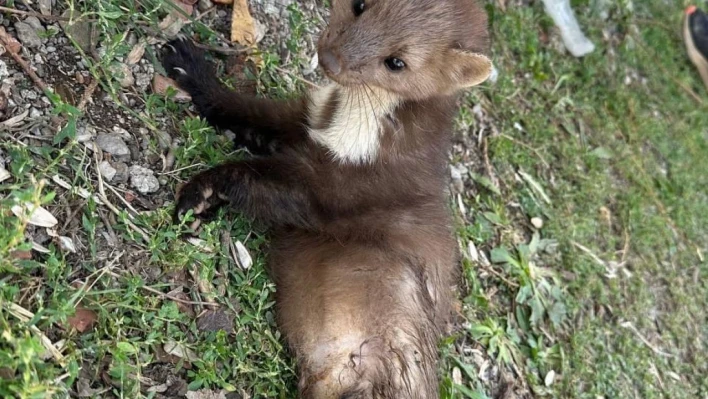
pixel 136 53
pixel 224 1
pixel 183 307
pixel 177 349
pixel 244 258
pixel 15 120
pixel 4 174
pixel 550 378
pixel 243 29
pixel 206 394
pixel 161 83
pixel 10 43
pixel 199 243
pixel 35 215
pixel 25 255
pixel 48 353
pixel 39 248
pixel 67 244
pixel 457 376
pixel 83 319
pixel 187 8
pixel 84 390
pixel 171 25
pixel 129 196
pixel 215 320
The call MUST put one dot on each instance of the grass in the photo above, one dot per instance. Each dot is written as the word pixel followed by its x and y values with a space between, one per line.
pixel 606 299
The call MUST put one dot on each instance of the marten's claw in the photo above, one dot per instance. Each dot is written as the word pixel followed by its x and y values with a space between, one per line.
pixel 198 198
pixel 185 63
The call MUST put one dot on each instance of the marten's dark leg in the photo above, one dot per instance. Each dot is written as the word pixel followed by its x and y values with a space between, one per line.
pixel 264 189
pixel 261 125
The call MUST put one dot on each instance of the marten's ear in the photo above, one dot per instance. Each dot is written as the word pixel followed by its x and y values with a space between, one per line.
pixel 469 69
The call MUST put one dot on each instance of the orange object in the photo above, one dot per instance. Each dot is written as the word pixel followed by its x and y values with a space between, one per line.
pixel 690 10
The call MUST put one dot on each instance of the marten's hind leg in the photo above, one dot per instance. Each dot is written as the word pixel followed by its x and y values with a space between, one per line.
pixel 262 126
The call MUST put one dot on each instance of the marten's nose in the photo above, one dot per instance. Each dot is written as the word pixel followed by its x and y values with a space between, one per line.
pixel 330 62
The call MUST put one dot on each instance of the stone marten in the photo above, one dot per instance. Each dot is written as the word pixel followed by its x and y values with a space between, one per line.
pixel 352 180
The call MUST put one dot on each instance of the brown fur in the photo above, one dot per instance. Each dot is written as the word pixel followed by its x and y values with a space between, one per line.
pixel 363 253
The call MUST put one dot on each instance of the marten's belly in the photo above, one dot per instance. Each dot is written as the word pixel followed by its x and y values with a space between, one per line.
pixel 350 309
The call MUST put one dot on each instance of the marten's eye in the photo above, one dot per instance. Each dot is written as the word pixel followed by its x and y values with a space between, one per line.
pixel 394 64
pixel 359 7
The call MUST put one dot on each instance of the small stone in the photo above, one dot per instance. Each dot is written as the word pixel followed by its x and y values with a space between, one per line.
pixel 27 34
pixel 36 24
pixel 29 95
pixel 35 113
pixel 537 222
pixel 85 133
pixel 122 132
pixel 45 7
pixel 143 179
pixel 114 145
pixel 260 30
pixel 107 171
pixel 163 139
pixel 78 30
pixel 205 5
pixel 123 75
pixel 122 172
pixel 3 70
pixel 143 80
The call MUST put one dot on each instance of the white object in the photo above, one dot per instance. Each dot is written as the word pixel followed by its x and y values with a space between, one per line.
pixel 573 37
pixel 34 215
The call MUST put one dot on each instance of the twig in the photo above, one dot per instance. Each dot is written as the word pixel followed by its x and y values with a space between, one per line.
pixel 205 13
pixel 313 84
pixel 488 163
pixel 513 140
pixel 222 50
pixel 122 200
pixel 25 315
pixel 630 326
pixel 685 88
pixel 87 94
pixel 204 286
pixel 589 253
pixel 56 17
pixel 7 41
pixel 496 273
pixel 170 297
pixel 34 14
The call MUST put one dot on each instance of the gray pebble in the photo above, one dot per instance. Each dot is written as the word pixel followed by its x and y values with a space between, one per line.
pixel 122 172
pixel 205 5
pixel 35 23
pixel 29 94
pixel 35 113
pixel 27 35
pixel 123 75
pixel 114 145
pixel 143 179
pixel 107 171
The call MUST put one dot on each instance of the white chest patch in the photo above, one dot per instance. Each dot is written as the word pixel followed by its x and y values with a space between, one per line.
pixel 354 133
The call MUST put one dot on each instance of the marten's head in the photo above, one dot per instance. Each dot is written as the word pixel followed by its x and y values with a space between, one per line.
pixel 414 49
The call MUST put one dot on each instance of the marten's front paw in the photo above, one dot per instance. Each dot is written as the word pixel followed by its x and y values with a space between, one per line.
pixel 186 64
pixel 198 197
